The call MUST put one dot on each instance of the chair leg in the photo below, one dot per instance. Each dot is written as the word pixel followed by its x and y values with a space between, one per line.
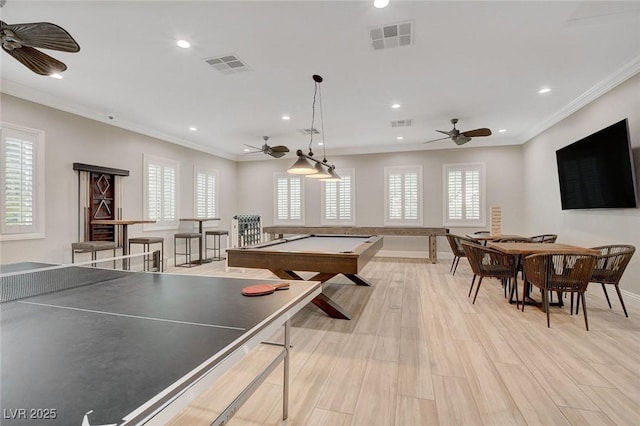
pixel 621 301
pixel 454 265
pixel 606 294
pixel 477 289
pixel 546 306
pixel 472 281
pixel 584 310
pixel 571 306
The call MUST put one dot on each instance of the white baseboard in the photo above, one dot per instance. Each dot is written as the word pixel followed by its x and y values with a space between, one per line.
pixel 627 293
pixel 412 254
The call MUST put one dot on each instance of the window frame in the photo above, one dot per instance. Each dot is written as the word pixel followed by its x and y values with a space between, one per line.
pixel 404 170
pixel 289 177
pixel 482 220
pixel 37 229
pixel 164 162
pixel 209 172
pixel 351 174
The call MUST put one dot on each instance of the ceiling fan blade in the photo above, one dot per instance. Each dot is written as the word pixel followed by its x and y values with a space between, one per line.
pixel 43 35
pixel 280 148
pixel 461 140
pixel 276 154
pixel 446 133
pixel 477 133
pixel 36 61
pixel 434 140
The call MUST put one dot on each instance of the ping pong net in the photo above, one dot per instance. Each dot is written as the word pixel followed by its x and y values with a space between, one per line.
pixel 22 280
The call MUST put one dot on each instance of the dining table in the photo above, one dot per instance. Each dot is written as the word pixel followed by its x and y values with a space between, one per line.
pixel 522 249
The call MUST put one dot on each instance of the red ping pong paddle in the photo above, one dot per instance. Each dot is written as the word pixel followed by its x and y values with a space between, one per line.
pixel 263 289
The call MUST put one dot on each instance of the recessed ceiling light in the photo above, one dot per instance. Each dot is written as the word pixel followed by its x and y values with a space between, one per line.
pixel 56 76
pixel 544 90
pixel 246 150
pixel 502 130
pixel 183 43
pixel 320 143
pixel 400 138
pixel 395 106
pixel 193 128
pixel 380 3
pixel 286 117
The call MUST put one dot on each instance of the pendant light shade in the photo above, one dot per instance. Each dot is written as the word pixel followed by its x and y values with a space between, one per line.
pixel 321 173
pixel 302 166
pixel 333 176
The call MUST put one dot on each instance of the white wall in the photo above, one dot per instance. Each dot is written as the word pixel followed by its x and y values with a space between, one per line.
pixel 521 179
pixel 503 181
pixel 543 212
pixel 73 139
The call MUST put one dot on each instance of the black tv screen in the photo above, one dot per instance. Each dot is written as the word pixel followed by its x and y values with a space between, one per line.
pixel 597 172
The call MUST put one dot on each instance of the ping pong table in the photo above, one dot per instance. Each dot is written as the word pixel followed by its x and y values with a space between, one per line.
pixel 132 348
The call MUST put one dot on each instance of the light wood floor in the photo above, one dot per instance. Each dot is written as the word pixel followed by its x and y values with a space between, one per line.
pixel 417 352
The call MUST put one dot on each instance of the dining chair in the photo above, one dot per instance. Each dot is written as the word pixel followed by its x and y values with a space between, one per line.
pixel 560 272
pixel 513 240
pixel 490 263
pixel 455 241
pixel 544 238
pixel 611 263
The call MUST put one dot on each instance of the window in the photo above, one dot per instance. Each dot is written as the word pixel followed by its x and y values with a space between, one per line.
pixel 338 204
pixel 206 192
pixel 289 199
pixel 22 187
pixel 403 195
pixel 464 193
pixel 161 191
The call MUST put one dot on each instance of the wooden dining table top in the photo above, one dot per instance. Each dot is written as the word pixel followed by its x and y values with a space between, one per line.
pixel 534 248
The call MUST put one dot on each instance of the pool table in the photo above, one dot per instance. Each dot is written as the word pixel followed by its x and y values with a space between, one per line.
pixel 327 255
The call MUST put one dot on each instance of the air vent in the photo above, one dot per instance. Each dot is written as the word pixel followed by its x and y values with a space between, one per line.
pixel 402 123
pixel 227 64
pixel 308 131
pixel 394 35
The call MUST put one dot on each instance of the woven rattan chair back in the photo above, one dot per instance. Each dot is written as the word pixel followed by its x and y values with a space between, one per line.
pixel 455 242
pixel 544 238
pixel 487 262
pixel 562 273
pixel 610 266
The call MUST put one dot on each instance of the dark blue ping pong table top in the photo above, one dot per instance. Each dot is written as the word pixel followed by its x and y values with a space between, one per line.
pixel 134 341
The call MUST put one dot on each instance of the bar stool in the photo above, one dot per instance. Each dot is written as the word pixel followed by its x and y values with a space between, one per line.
pixel 216 244
pixel 146 243
pixel 188 237
pixel 92 247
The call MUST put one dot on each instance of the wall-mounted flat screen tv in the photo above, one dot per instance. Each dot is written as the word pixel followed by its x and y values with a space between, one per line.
pixel 597 172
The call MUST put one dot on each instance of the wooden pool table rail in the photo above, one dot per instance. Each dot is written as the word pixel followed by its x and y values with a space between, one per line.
pixel 278 231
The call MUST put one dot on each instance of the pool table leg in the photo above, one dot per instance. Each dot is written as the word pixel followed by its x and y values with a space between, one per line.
pixel 323 302
pixel 357 279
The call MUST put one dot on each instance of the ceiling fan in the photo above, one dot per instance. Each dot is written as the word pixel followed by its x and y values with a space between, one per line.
pixel 460 138
pixel 21 41
pixel 274 151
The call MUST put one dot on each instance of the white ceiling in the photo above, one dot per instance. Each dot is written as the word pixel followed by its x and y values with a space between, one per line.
pixel 481 61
